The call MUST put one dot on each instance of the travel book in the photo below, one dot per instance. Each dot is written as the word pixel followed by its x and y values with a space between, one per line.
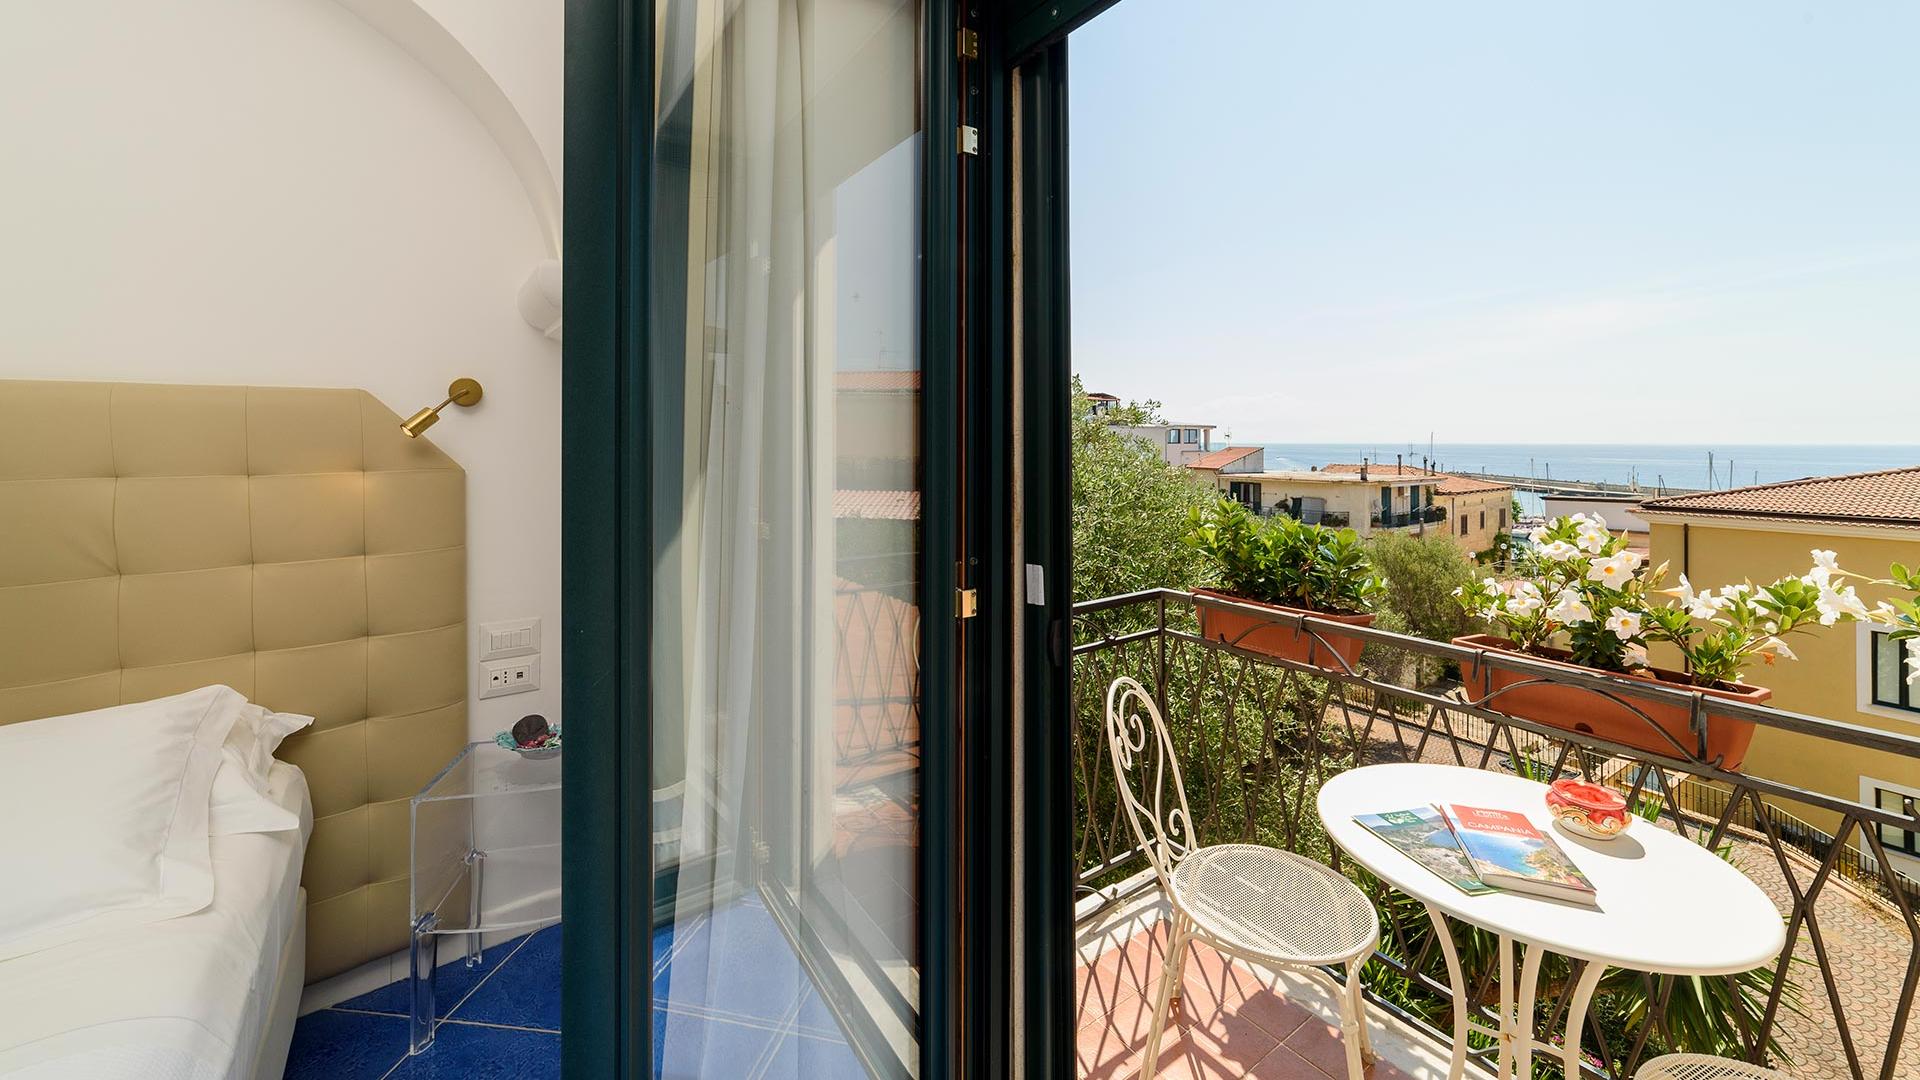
pixel 1509 853
pixel 1426 838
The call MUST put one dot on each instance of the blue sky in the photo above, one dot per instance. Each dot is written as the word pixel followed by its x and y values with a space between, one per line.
pixel 1502 222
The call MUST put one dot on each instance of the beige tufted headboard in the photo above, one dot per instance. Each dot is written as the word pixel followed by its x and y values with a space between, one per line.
pixel 290 543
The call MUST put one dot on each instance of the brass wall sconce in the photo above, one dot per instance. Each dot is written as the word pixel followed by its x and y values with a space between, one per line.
pixel 462 392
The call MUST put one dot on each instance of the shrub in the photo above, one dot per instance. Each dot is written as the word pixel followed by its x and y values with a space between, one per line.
pixel 1283 561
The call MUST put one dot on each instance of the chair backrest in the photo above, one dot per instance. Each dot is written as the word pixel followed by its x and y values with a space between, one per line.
pixel 1147 772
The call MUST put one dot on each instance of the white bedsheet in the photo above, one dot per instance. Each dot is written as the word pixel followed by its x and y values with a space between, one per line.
pixel 184 999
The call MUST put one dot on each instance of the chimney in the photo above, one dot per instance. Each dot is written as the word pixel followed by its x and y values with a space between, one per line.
pixel 1399 464
pixel 1363 469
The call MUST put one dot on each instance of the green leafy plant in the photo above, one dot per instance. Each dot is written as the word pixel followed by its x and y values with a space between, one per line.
pixel 1283 561
pixel 1718 633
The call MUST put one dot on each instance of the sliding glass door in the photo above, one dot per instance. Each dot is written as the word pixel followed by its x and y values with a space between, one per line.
pixel 783 327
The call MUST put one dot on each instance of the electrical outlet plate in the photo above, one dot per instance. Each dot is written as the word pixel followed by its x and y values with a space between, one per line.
pixel 509 637
pixel 515 675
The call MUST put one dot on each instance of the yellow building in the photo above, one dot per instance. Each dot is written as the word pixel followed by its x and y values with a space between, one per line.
pixel 1476 512
pixel 1361 497
pixel 1849 673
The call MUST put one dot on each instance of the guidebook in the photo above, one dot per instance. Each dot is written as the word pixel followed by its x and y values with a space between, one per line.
pixel 1426 838
pixel 1509 853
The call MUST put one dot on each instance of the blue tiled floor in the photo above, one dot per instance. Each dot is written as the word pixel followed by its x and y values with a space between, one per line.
pixel 730 1001
pixel 501 1019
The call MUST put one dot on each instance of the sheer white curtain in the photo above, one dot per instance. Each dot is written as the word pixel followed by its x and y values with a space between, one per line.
pixel 770 112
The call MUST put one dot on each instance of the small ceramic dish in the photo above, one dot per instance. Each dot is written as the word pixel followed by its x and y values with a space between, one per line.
pixel 1587 809
pixel 504 740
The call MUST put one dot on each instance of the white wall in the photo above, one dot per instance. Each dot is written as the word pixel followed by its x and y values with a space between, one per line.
pixel 270 192
pixel 1618 515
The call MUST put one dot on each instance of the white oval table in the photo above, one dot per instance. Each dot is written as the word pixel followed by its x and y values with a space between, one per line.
pixel 1666 905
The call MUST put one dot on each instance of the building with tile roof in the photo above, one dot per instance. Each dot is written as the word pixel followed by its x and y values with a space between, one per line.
pixel 1850 673
pixel 1478 511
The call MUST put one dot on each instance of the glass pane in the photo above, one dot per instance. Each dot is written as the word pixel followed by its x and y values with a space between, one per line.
pixel 785 396
pixel 1886 670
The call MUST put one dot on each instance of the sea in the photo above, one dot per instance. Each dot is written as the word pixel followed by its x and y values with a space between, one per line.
pixel 1652 465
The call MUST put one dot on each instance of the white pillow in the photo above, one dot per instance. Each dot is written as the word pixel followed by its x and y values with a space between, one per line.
pixel 106 817
pixel 242 799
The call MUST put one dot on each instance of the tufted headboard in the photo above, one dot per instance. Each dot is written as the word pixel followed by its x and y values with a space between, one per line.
pixel 290 543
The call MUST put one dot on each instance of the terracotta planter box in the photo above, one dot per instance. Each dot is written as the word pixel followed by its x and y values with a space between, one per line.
pixel 1572 708
pixel 1329 650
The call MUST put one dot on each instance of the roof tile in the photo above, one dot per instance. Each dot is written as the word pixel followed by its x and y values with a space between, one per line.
pixel 1887 497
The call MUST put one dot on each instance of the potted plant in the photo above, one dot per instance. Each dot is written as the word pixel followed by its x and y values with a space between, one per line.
pixel 1581 586
pixel 1285 566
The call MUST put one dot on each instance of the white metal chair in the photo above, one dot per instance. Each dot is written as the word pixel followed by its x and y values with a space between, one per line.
pixel 1705 1067
pixel 1258 904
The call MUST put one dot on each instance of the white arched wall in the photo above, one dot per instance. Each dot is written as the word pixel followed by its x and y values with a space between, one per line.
pixel 442 37
pixel 274 192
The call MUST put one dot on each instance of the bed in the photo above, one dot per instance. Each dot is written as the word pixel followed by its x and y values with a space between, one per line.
pixel 207 996
pixel 290 544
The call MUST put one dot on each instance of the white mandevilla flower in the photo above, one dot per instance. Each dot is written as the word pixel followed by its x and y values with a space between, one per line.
pixel 1539 534
pixel 1825 565
pixel 1614 571
pixel 1700 605
pixel 1636 656
pixel 1836 604
pixel 1569 609
pixel 1592 539
pixel 1525 599
pixel 1624 624
pixel 1776 647
pixel 1558 551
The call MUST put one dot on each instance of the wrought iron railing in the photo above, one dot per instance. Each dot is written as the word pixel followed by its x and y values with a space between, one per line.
pixel 1426 515
pixel 876 672
pixel 1257 736
pixel 1332 519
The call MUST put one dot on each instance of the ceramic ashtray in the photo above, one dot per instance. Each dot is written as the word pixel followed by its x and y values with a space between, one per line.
pixel 1588 809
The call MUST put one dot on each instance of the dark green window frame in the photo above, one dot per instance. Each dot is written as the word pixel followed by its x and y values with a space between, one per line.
pixel 1895 839
pixel 1900 695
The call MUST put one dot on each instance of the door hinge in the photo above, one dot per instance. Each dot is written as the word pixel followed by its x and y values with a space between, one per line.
pixel 966 603
pixel 969 139
pixel 969 44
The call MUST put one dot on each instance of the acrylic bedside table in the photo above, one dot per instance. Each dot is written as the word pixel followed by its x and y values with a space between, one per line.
pixel 492 816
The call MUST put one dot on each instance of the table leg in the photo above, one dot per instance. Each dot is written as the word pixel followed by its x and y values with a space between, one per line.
pixel 1577 1017
pixel 1462 1008
pixel 422 958
pixel 478 861
pixel 1506 1008
pixel 1523 1014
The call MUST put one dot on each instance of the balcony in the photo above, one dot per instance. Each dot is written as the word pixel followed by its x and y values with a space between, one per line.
pixel 1257 737
pixel 1426 515
pixel 1332 519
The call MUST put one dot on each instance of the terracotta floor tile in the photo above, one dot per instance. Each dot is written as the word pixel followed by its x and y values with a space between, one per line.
pixel 1215 1052
pixel 1273 1012
pixel 1104 1053
pixel 1284 1064
pixel 1321 1044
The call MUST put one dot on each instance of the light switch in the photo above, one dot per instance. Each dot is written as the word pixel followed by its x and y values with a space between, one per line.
pixel 512 637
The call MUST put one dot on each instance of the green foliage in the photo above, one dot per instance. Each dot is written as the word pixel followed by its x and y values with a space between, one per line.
pixel 1420 574
pixel 1283 561
pixel 1130 510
